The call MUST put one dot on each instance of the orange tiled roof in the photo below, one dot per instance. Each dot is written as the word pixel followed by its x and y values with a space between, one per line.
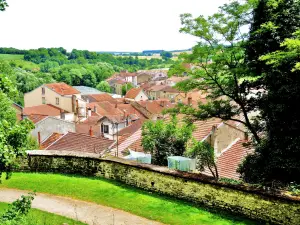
pixel 156 106
pixel 101 98
pixel 132 93
pixel 203 128
pixel 47 109
pixel 52 138
pixel 156 88
pixel 62 88
pixel 36 118
pixel 81 143
pixel 229 160
pixel 137 146
pixel 131 128
pixel 85 126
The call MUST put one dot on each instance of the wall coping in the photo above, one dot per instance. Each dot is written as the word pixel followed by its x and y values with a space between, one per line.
pixel 198 177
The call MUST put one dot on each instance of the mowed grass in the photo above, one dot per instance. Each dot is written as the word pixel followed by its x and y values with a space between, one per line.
pixel 38 217
pixel 117 195
pixel 10 57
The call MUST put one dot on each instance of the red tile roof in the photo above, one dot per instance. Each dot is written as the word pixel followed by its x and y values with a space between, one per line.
pixel 156 106
pixel 81 143
pixel 156 88
pixel 132 93
pixel 62 88
pixel 137 146
pixel 36 118
pixel 48 110
pixel 229 160
pixel 170 89
pixel 131 128
pixel 127 142
pixel 51 139
pixel 203 128
pixel 85 126
pixel 101 98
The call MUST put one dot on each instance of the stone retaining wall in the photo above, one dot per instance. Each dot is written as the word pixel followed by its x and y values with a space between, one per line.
pixel 253 203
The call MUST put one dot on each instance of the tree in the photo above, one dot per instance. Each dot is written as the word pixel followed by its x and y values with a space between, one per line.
pixel 104 86
pixel 163 139
pixel 126 87
pixel 222 71
pixel 166 55
pixel 273 53
pixel 3 5
pixel 14 136
pixel 205 157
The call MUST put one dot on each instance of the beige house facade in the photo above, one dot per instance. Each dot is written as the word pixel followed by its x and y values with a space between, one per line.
pixel 60 95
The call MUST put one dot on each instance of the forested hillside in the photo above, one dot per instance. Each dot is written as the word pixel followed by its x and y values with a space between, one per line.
pixel 78 67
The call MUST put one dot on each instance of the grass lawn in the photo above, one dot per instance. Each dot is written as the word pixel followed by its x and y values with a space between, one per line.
pixel 38 217
pixel 114 194
pixel 10 56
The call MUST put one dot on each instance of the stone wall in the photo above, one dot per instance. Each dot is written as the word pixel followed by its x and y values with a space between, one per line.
pixel 250 202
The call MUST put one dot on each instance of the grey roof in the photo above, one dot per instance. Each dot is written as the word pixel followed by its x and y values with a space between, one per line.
pixel 84 90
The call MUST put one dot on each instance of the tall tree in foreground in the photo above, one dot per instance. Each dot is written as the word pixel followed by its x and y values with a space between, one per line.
pixel 3 5
pixel 221 70
pixel 14 138
pixel 273 54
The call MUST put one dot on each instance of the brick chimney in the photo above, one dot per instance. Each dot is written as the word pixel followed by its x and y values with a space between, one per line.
pixel 95 109
pixel 189 100
pixel 39 138
pixel 246 136
pixel 91 131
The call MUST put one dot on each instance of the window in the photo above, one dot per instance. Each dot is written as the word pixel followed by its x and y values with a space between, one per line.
pixel 43 90
pixel 43 100
pixel 105 129
pixel 57 101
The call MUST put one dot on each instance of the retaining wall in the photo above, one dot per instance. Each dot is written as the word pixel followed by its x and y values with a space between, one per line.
pixel 254 203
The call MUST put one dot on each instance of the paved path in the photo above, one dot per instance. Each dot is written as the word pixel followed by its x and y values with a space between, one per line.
pixel 86 212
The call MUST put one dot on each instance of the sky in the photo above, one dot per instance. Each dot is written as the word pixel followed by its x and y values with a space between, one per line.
pixel 100 25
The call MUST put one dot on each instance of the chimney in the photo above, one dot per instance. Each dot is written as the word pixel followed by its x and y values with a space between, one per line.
pixel 162 103
pixel 95 109
pixel 213 129
pixel 89 112
pixel 124 113
pixel 77 107
pixel 91 131
pixel 62 114
pixel 39 138
pixel 189 100
pixel 246 136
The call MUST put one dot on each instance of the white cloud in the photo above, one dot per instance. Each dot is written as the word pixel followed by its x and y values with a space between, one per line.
pixel 100 25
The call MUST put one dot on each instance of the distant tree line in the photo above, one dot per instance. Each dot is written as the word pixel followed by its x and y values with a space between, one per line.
pixel 12 51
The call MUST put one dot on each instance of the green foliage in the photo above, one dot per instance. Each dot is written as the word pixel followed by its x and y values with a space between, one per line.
pixel 163 139
pixel 166 55
pixel 3 5
pixel 17 210
pixel 277 157
pixel 204 155
pixel 104 86
pixel 126 87
pixel 14 139
pixel 294 189
pixel 221 71
pixel 230 181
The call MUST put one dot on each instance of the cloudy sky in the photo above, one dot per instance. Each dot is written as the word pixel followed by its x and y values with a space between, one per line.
pixel 100 25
